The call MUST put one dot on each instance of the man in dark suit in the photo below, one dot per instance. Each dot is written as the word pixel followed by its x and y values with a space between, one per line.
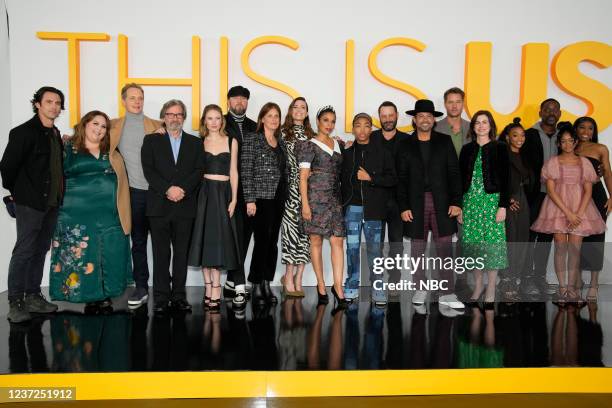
pixel 173 166
pixel 429 197
pixel 32 171
pixel 237 125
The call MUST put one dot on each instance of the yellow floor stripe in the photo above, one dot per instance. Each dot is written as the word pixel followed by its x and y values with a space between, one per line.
pixel 253 384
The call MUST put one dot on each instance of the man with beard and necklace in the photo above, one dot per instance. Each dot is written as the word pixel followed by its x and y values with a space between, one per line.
pixel 458 129
pixel 390 137
pixel 238 125
pixel 540 145
pixel 429 197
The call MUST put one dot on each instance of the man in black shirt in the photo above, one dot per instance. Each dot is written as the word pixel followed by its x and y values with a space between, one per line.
pixel 32 170
pixel 237 126
pixel 390 138
pixel 368 173
pixel 429 197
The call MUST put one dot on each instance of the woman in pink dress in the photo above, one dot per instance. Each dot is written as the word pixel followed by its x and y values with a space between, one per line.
pixel 568 211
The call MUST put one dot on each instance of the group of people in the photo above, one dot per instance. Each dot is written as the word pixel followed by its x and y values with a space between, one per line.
pixel 203 197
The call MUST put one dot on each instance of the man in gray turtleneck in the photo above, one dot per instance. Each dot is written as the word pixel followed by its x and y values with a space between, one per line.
pixel 126 135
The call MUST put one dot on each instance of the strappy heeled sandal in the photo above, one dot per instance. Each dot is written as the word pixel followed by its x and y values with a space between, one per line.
pixel 592 298
pixel 206 299
pixel 214 305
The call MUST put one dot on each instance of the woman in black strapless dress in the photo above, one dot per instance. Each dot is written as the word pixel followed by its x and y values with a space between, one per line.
pixel 592 255
pixel 214 240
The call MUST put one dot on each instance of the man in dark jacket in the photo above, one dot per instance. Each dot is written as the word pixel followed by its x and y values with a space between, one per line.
pixel 390 137
pixel 540 145
pixel 173 164
pixel 32 170
pixel 368 174
pixel 237 124
pixel 429 196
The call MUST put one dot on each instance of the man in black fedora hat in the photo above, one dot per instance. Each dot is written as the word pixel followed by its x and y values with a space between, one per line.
pixel 237 124
pixel 429 198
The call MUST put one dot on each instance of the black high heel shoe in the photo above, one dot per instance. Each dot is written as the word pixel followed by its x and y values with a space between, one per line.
pixel 323 298
pixel 342 302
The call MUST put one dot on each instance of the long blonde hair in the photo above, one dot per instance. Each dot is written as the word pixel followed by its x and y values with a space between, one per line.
pixel 203 129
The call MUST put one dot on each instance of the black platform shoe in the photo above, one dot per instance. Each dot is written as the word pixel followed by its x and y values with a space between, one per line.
pixel 267 291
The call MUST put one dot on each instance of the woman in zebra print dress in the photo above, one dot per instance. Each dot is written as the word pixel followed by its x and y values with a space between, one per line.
pixel 295 244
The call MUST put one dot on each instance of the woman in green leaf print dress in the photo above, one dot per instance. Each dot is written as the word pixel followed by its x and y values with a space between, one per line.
pixel 90 254
pixel 484 171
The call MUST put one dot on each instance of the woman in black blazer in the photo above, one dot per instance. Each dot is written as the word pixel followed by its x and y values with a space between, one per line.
pixel 262 172
pixel 484 172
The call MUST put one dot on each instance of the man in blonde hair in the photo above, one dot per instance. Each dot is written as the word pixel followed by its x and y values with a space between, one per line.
pixel 126 135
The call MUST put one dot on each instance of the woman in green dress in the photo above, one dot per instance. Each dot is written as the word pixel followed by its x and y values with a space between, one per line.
pixel 90 254
pixel 484 171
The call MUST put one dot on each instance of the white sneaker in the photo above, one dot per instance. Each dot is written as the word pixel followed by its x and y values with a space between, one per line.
pixel 419 297
pixel 451 301
pixel 448 311
pixel 420 309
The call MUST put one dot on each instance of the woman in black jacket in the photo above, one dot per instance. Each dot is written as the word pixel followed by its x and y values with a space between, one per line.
pixel 263 163
pixel 521 180
pixel 484 172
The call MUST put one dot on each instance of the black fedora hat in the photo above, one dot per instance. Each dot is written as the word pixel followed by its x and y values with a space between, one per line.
pixel 424 105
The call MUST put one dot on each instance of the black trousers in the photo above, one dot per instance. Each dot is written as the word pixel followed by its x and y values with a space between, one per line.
pixel 540 250
pixel 34 232
pixel 140 235
pixel 393 225
pixel 245 229
pixel 266 228
pixel 171 236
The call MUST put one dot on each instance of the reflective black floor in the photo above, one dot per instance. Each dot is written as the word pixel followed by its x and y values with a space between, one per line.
pixel 299 335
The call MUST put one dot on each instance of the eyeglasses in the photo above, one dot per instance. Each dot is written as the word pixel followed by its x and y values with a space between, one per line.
pixel 175 115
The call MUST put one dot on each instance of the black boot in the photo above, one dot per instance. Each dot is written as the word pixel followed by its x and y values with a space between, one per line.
pixel 267 290
pixel 259 296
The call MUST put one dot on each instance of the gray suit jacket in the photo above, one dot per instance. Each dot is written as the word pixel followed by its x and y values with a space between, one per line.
pixel 442 126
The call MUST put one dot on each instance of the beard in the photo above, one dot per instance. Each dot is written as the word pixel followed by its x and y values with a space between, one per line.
pixel 550 120
pixel 238 110
pixel 389 125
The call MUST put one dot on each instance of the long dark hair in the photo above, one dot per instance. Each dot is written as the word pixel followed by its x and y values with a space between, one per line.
pixel 565 127
pixel 493 126
pixel 583 119
pixel 287 127
pixel 78 140
pixel 263 112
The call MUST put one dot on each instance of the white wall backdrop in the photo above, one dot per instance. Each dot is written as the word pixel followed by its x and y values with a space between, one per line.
pixel 160 32
pixel 7 224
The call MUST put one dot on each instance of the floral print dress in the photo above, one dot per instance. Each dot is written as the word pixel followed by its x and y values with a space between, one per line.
pixel 324 197
pixel 90 253
pixel 482 235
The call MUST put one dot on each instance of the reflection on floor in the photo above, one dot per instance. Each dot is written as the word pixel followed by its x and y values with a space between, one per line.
pixel 299 335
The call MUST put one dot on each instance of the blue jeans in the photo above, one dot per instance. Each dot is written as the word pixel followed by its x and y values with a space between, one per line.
pixel 355 223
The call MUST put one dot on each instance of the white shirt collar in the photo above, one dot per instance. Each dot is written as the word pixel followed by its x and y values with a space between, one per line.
pixel 326 148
